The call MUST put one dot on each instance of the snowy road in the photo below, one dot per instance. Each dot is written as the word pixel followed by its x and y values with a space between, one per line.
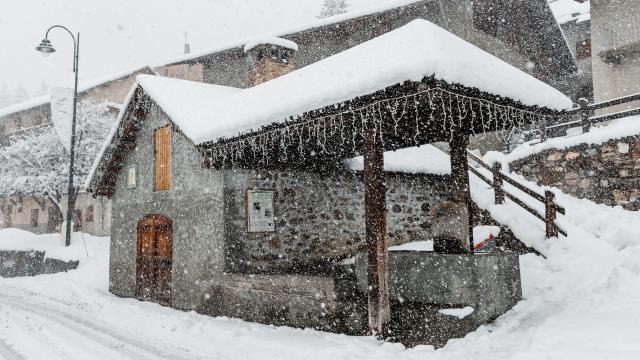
pixel 44 328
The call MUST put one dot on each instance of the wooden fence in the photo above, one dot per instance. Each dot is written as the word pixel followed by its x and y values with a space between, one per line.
pixel 497 183
pixel 581 116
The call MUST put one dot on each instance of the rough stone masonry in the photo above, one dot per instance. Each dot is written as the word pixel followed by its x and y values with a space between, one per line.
pixel 607 173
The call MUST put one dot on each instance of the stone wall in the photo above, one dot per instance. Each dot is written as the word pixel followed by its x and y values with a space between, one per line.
pixel 31 263
pixel 607 173
pixel 320 217
pixel 193 203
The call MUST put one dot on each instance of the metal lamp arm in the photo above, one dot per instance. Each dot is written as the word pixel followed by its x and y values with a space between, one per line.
pixel 75 44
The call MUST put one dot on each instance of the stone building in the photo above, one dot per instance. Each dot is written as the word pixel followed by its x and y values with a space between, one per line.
pixel 40 214
pixel 273 237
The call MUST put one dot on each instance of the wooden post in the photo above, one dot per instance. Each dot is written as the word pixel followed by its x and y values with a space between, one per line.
pixel 497 183
pixel 584 115
pixel 376 233
pixel 550 214
pixel 460 190
pixel 543 129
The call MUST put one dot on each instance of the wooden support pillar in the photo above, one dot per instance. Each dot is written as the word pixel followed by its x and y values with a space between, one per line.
pixel 376 234
pixel 498 186
pixel 460 189
pixel 550 215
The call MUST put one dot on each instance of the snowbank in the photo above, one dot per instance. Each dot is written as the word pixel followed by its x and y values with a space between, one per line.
pixel 53 244
pixel 426 159
pixel 412 52
pixel 629 126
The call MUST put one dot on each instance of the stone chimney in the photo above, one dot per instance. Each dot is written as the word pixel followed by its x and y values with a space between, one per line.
pixel 187 48
pixel 269 58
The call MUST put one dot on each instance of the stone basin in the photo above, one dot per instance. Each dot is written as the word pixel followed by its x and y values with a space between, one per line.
pixel 490 283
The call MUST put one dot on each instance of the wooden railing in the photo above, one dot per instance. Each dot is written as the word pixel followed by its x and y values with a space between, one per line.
pixel 497 183
pixel 582 116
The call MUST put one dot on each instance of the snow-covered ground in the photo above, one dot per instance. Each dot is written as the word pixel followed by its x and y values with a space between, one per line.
pixel 581 302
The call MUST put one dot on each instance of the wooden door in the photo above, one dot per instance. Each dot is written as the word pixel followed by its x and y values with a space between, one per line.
pixel 154 259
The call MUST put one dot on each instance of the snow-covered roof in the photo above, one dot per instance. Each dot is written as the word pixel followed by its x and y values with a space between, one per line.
pixel 46 99
pixel 271 40
pixel 426 159
pixel 570 10
pixel 412 52
pixel 191 105
pixel 179 99
pixel 378 8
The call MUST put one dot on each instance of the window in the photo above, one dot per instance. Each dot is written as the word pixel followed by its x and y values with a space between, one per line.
pixel 131 177
pixel 88 217
pixel 35 213
pixel 162 161
pixel 1 129
pixel 583 49
pixel 18 123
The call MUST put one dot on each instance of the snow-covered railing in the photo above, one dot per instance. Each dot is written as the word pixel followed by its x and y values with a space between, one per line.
pixel 497 183
pixel 581 116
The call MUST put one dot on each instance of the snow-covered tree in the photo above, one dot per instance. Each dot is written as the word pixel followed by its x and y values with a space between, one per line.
pixel 333 7
pixel 35 162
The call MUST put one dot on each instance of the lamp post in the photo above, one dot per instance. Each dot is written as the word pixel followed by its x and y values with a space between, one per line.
pixel 46 49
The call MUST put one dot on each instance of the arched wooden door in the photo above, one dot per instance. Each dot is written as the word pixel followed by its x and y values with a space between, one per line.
pixel 154 258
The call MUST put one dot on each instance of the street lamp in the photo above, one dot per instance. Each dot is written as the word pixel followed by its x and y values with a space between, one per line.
pixel 47 49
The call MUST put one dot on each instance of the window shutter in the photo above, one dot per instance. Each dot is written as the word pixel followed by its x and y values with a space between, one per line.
pixel 162 158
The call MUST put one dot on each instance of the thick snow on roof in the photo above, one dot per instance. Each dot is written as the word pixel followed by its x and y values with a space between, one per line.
pixel 426 159
pixel 191 105
pixel 271 40
pixel 411 52
pixel 569 10
pixel 45 99
pixel 185 102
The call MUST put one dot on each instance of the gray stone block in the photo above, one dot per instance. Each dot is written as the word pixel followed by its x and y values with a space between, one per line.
pixel 490 283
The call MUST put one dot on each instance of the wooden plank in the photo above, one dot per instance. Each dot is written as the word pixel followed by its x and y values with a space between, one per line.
pixel 550 215
pixel 498 187
pixel 613 116
pixel 162 161
pixel 460 189
pixel 376 234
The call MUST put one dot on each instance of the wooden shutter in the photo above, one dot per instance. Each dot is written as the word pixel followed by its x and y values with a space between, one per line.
pixel 162 139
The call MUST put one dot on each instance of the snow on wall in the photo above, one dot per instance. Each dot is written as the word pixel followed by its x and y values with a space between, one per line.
pixel 629 126
pixel 271 40
pixel 425 159
pixel 569 10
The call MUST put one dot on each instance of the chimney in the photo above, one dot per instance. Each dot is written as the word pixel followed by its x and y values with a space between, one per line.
pixel 269 58
pixel 187 48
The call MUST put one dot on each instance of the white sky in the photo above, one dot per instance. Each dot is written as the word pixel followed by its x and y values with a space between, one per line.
pixel 119 35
